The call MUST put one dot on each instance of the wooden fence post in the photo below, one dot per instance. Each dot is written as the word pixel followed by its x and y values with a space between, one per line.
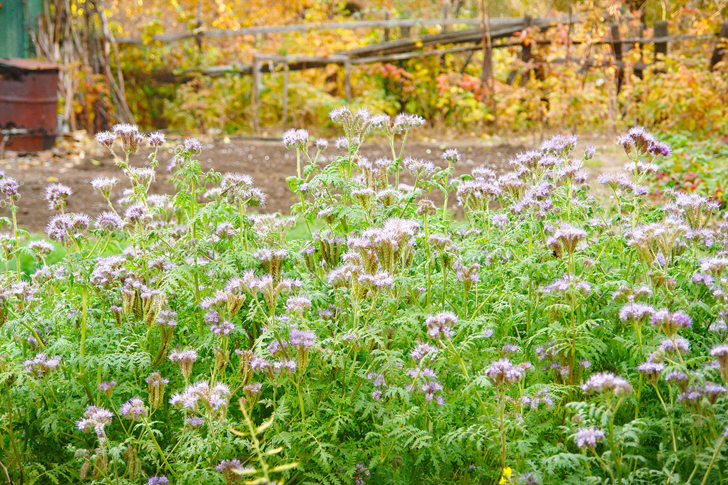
pixel 285 93
pixel 404 31
pixel 386 29
pixel 445 6
pixel 347 78
pixel 617 50
pixel 639 68
pixel 256 93
pixel 721 47
pixel 660 30
pixel 526 56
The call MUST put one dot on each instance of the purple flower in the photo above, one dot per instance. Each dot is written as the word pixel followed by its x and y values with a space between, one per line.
pixel 651 370
pixel 213 397
pixel 105 138
pixel 422 351
pixel 302 339
pixel 636 312
pixel 95 418
pixel 195 421
pixel 107 387
pixel 295 139
pixel 56 195
pixel 678 345
pixel 670 323
pixel 193 145
pixel 607 382
pixel 158 480
pixel 588 437
pixel 41 366
pixel 503 372
pixel 133 409
pixel 439 325
pixel 451 155
pixel 156 139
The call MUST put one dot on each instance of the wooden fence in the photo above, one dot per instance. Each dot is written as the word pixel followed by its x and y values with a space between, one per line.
pixel 467 40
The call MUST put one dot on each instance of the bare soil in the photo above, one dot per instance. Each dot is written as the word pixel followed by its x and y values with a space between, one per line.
pixel 78 162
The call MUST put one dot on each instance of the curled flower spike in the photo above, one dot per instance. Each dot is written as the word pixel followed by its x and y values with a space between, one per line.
pixel 440 325
pixel 503 372
pixel 158 480
pixel 607 382
pixel 185 359
pixel 41 366
pixel 133 409
pixel 297 139
pixel 721 353
pixel 156 139
pixel 95 419
pixel 651 370
pixel 56 195
pixel 670 323
pixel 588 437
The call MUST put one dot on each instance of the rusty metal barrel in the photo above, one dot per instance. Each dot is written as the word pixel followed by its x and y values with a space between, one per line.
pixel 28 104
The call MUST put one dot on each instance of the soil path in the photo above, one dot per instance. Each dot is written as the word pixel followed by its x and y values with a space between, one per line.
pixel 268 162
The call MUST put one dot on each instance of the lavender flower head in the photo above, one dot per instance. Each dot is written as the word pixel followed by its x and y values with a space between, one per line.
pixel 95 418
pixel 158 480
pixel 588 437
pixel 105 138
pixel 56 195
pixel 302 339
pixel 636 312
pixel 607 382
pixel 185 359
pixel 40 366
pixel 156 139
pixel 440 325
pixel 503 372
pixel 451 156
pixel 422 351
pixel 678 344
pixel 297 139
pixel 104 185
pixel 670 323
pixel 134 409
pixel 651 370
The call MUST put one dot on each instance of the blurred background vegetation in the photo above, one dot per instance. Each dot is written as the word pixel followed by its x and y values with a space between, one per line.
pixel 164 87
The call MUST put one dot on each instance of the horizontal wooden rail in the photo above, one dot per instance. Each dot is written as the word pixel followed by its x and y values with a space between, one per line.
pixel 364 24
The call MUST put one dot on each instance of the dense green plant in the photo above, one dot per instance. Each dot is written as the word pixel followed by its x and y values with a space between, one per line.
pixel 527 335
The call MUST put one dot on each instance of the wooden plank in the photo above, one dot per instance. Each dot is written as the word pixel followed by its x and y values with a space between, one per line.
pixel 282 29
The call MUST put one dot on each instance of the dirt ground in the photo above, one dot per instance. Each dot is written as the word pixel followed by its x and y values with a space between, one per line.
pixel 76 162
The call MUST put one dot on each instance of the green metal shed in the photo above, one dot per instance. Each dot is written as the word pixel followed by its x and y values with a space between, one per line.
pixel 17 19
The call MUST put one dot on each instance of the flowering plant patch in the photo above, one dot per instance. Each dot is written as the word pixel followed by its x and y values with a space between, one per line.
pixel 529 333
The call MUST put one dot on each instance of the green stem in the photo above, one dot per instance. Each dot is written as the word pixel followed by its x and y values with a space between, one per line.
pixel 712 461
pixel 159 449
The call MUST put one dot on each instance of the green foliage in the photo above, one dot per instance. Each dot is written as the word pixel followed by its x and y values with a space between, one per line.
pixel 516 337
